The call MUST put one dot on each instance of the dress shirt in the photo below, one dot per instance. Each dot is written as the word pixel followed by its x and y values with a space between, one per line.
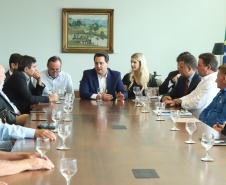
pixel 7 99
pixel 216 110
pixel 170 84
pixel 27 78
pixel 62 81
pixel 102 84
pixel 9 132
pixel 202 96
pixel 10 72
pixel 190 79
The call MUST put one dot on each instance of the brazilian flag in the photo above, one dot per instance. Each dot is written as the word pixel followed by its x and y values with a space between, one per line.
pixel 224 57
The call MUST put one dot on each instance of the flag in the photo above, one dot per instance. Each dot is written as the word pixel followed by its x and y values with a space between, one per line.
pixel 224 57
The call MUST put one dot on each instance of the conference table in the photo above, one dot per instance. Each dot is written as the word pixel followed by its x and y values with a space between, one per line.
pixel 111 139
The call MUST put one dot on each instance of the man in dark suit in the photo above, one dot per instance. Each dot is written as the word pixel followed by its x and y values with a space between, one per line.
pixel 9 132
pixel 172 78
pixel 188 81
pixel 19 88
pixel 13 64
pixel 103 77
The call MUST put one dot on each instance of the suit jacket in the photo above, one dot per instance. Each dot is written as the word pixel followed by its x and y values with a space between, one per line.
pixel 178 90
pixel 89 84
pixel 7 76
pixel 224 131
pixel 21 94
pixel 163 88
pixel 5 104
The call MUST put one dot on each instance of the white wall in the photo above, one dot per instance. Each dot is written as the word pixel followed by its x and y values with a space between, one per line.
pixel 161 29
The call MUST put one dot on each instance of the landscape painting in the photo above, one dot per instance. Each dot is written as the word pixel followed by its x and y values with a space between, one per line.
pixel 87 30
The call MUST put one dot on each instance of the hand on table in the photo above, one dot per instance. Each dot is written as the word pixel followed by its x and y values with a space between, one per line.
pixel 218 127
pixel 166 98
pixel 120 96
pixel 45 134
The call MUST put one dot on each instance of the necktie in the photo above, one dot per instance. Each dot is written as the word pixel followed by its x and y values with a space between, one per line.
pixel 186 87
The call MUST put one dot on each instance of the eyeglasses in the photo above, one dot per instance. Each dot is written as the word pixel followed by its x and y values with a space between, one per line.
pixel 55 70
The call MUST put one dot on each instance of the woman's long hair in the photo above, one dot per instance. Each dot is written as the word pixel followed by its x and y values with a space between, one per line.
pixel 144 73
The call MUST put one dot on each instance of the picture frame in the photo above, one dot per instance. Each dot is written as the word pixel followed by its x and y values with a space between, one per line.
pixel 87 30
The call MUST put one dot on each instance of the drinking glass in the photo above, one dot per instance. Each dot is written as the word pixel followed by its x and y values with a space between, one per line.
pixel 100 91
pixel 156 91
pixel 145 102
pixel 150 92
pixel 160 107
pixel 207 141
pixel 42 145
pixel 56 117
pixel 139 97
pixel 63 132
pixel 59 93
pixel 191 127
pixel 68 107
pixel 174 115
pixel 68 168
pixel 136 90
pixel 63 93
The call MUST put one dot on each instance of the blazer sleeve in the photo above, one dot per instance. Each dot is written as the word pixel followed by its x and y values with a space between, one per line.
pixel 163 88
pixel 24 92
pixel 224 131
pixel 174 93
pixel 120 87
pixel 84 88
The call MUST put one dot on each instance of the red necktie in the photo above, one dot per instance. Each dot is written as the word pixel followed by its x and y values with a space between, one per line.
pixel 186 88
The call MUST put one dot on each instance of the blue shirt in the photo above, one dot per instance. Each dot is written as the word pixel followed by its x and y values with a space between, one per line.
pixel 62 81
pixel 9 132
pixel 216 110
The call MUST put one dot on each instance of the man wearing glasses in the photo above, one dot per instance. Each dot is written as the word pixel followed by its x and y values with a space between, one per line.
pixel 55 79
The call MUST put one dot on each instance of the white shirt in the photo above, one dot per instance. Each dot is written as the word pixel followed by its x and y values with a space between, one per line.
pixel 102 84
pixel 62 81
pixel 10 72
pixel 202 96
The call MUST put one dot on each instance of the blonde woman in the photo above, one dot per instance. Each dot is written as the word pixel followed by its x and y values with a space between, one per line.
pixel 139 75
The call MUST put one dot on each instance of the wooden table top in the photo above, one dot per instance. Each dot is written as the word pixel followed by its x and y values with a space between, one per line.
pixel 106 156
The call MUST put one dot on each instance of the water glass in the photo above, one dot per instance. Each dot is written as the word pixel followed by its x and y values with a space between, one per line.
pixel 42 145
pixel 59 93
pixel 100 92
pixel 174 115
pixel 64 131
pixel 160 107
pixel 138 99
pixel 136 89
pixel 56 117
pixel 145 102
pixel 207 141
pixel 68 107
pixel 68 168
pixel 191 127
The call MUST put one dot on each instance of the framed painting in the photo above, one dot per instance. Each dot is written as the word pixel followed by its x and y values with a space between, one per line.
pixel 87 30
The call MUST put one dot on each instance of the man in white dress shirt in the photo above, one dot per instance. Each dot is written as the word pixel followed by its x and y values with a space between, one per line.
pixel 55 79
pixel 206 90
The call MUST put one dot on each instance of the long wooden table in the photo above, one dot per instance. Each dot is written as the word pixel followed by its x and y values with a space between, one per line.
pixel 106 156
